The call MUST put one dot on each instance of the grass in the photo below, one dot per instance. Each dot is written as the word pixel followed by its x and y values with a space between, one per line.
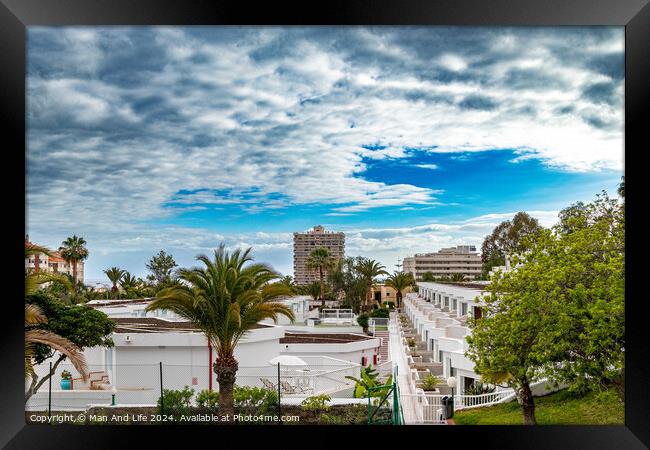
pixel 560 408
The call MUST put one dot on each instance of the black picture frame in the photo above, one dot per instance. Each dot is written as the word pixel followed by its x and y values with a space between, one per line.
pixel 16 15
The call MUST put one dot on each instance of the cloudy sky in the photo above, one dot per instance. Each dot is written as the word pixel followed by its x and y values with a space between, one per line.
pixel 408 139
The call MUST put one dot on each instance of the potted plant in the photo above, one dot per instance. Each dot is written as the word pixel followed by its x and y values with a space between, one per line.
pixel 411 343
pixel 429 383
pixel 66 380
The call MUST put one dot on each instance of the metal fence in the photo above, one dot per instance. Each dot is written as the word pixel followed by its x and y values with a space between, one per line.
pixel 142 384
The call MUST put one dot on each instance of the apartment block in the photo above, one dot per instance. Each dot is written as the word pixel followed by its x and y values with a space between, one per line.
pixel 305 243
pixel 462 259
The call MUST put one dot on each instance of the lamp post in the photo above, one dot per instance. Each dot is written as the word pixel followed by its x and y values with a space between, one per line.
pixel 451 382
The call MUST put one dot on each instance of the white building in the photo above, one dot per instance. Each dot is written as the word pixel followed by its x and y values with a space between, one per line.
pixel 439 314
pixel 462 259
pixel 143 341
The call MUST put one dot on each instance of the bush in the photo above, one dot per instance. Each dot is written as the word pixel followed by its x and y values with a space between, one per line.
pixel 316 403
pixel 478 388
pixel 389 305
pixel 207 399
pixel 362 320
pixel 411 342
pixel 380 312
pixel 255 397
pixel 176 402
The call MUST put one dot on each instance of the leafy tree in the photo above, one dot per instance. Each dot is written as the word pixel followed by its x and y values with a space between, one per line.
pixel 369 269
pixel 115 275
pixel 400 281
pixel 321 259
pixel 287 280
pixel 80 325
pixel 507 238
pixel 73 250
pixel 345 278
pixel 560 314
pixel 428 276
pixel 161 266
pixel 225 299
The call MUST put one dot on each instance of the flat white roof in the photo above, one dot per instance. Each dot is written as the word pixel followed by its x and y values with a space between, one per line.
pixel 451 289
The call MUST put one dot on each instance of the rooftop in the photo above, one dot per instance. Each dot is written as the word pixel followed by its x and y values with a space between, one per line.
pixel 322 338
pixel 157 325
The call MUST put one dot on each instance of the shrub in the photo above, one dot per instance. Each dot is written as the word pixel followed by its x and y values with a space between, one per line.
pixel 316 403
pixel 176 402
pixel 411 342
pixel 429 382
pixel 207 399
pixel 478 388
pixel 380 312
pixel 255 397
pixel 389 305
pixel 362 320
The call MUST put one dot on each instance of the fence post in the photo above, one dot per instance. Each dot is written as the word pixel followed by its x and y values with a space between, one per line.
pixel 279 399
pixel 49 394
pixel 162 399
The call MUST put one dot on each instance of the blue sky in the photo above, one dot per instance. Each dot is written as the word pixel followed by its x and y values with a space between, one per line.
pixel 409 139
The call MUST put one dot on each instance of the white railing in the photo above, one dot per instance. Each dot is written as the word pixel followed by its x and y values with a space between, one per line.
pixel 336 314
pixel 473 401
pixel 378 324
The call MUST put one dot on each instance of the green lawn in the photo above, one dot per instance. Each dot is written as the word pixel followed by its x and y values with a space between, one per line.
pixel 560 408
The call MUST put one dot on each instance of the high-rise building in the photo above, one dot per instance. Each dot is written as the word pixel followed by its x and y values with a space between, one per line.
pixel 462 259
pixel 305 243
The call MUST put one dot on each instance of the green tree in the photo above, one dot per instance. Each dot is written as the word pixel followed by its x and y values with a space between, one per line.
pixel 457 277
pixel 321 260
pixel 35 319
pixel 507 238
pixel 369 269
pixel 115 275
pixel 428 276
pixel 161 266
pixel 73 250
pixel 225 299
pixel 400 281
pixel 80 325
pixel 313 290
pixel 560 314
pixel 345 279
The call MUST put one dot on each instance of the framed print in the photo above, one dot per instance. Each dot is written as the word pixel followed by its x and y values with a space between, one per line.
pixel 406 215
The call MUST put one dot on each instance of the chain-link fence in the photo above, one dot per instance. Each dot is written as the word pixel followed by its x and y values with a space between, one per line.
pixel 141 385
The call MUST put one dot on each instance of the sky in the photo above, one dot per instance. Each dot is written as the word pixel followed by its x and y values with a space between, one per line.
pixel 408 139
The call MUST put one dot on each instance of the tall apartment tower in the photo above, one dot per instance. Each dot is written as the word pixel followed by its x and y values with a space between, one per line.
pixel 304 243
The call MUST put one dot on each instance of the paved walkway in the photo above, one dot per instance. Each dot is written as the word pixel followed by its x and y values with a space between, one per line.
pixel 408 402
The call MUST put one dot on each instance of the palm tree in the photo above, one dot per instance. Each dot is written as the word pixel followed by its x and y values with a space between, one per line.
pixel 115 275
pixel 369 269
pixel 313 290
pixel 35 317
pixel 225 299
pixel 73 250
pixel 457 277
pixel 400 281
pixel 321 259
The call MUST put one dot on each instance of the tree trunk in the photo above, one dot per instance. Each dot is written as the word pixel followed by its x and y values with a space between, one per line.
pixel 322 287
pixel 74 274
pixel 399 299
pixel 226 369
pixel 35 385
pixel 525 397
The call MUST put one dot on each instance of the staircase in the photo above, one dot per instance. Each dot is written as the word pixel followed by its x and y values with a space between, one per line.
pixel 383 349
